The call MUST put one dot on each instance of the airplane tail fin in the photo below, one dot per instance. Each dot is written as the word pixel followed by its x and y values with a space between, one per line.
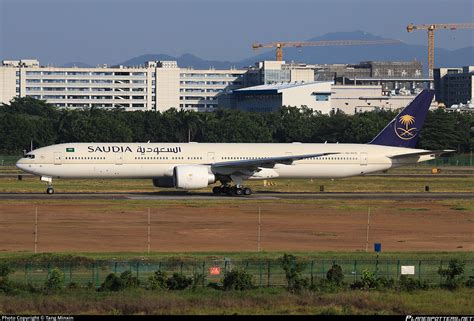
pixel 404 129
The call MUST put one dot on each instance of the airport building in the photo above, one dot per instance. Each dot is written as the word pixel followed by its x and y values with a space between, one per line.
pixel 157 86
pixel 271 97
pixel 352 99
pixel 266 86
pixel 454 86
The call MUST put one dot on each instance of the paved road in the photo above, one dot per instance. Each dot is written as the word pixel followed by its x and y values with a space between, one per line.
pixel 207 196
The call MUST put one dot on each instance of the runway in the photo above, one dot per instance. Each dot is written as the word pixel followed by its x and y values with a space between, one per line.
pixel 208 196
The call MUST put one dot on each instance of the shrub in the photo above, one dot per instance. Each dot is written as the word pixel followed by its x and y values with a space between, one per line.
pixel 5 270
pixel 157 281
pixel 293 271
pixel 237 280
pixel 452 274
pixel 55 280
pixel 198 279
pixel 5 285
pixel 128 280
pixel 470 282
pixel 410 284
pixel 335 275
pixel 384 283
pixel 368 281
pixel 117 283
pixel 178 282
pixel 73 285
pixel 112 283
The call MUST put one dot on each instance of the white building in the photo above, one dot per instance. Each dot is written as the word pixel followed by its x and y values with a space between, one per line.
pixel 157 86
pixel 271 97
pixel 355 99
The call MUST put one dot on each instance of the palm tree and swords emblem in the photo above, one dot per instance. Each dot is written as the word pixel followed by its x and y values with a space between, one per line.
pixel 406 132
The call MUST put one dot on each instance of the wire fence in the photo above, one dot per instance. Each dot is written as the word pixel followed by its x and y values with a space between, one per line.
pixel 454 160
pixel 265 273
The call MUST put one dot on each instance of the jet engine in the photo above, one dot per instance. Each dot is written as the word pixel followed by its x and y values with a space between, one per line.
pixel 192 176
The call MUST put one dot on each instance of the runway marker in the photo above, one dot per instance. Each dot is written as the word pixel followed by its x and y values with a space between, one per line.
pixel 36 229
pixel 368 227
pixel 149 230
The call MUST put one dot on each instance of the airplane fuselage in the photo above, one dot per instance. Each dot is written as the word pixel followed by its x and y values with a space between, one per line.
pixel 152 160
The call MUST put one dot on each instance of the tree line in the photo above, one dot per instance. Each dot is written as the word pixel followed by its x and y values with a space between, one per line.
pixel 26 120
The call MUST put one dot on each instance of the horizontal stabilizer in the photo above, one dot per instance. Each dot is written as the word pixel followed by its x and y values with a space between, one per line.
pixel 426 152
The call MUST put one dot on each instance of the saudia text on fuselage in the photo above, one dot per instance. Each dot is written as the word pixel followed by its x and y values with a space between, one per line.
pixel 128 149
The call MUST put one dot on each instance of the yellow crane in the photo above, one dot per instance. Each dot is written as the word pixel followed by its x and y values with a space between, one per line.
pixel 280 44
pixel 431 29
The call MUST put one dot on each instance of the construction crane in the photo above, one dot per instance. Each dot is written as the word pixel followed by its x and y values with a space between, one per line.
pixel 280 44
pixel 431 29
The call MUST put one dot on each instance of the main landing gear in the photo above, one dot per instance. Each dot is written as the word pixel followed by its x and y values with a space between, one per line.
pixel 232 190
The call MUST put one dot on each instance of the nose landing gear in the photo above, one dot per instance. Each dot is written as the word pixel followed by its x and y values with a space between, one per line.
pixel 49 180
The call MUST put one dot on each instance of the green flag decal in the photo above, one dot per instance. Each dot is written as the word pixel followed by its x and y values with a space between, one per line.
pixel 70 150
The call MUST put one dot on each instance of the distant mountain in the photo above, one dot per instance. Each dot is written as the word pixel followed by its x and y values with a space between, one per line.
pixel 355 54
pixel 186 60
pixel 326 55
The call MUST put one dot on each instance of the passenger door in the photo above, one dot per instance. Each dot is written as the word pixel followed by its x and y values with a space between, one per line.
pixel 211 157
pixel 119 159
pixel 58 158
pixel 363 159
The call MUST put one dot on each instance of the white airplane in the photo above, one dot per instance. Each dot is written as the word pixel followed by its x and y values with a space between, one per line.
pixel 196 165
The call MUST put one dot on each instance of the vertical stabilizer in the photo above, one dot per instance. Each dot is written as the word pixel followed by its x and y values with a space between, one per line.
pixel 404 130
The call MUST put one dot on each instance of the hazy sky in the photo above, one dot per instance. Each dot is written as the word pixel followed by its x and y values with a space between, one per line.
pixel 107 31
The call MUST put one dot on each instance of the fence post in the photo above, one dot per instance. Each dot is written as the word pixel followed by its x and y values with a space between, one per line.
pixel 419 270
pixel 204 273
pixel 355 270
pixel 26 273
pixel 440 276
pixel 115 268
pixel 181 267
pixel 268 273
pixel 138 268
pixel 93 273
pixel 260 272
pixel 312 276
pixel 398 269
pixel 97 284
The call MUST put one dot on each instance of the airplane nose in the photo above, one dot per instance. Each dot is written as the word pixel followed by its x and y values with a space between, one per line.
pixel 20 165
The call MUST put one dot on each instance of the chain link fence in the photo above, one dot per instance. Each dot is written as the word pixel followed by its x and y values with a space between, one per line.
pixel 265 273
pixel 454 160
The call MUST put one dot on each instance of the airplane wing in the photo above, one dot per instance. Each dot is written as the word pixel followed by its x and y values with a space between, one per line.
pixel 267 162
pixel 426 152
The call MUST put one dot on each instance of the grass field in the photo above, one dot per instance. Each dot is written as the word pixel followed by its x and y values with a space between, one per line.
pixel 260 301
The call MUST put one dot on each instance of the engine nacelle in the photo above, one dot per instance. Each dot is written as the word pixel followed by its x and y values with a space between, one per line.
pixel 192 176
pixel 163 182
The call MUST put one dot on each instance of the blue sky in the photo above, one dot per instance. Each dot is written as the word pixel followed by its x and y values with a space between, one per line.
pixel 107 31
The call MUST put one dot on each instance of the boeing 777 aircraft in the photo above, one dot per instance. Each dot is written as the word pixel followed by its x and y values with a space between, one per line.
pixel 196 165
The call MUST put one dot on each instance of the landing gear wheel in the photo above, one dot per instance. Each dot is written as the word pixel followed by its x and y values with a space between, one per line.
pixel 247 191
pixel 50 190
pixel 217 190
pixel 230 191
pixel 239 191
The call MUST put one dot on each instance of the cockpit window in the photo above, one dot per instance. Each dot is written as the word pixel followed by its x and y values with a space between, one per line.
pixel 30 156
